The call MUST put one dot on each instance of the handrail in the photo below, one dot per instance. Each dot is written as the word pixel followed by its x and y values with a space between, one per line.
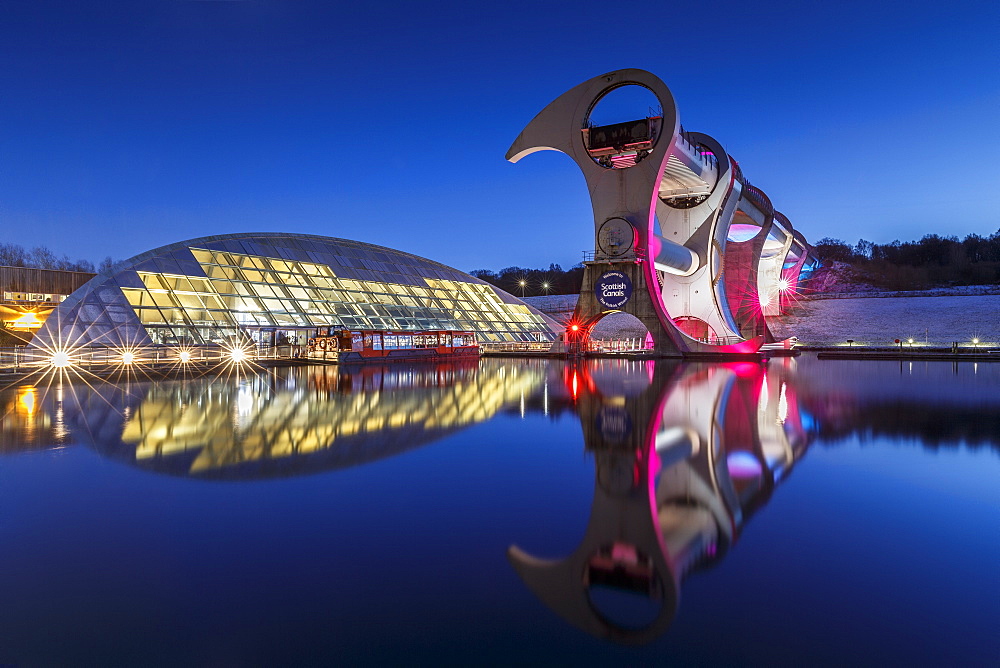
pixel 634 255
pixel 18 358
pixel 721 340
pixel 628 345
pixel 516 347
pixel 695 148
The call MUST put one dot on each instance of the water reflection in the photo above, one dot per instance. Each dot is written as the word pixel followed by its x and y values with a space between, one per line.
pixel 232 426
pixel 932 404
pixel 32 418
pixel 289 422
pixel 683 456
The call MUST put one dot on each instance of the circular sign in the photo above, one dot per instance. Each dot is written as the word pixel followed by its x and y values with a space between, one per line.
pixel 616 236
pixel 613 289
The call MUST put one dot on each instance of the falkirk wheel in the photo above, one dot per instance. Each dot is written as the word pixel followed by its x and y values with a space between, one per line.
pixel 682 241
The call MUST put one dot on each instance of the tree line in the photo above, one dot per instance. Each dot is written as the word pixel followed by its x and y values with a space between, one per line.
pixel 40 257
pixel 520 281
pixel 933 261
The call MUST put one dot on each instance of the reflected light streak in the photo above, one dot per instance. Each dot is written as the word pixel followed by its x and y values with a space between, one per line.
pixel 27 399
pixel 782 405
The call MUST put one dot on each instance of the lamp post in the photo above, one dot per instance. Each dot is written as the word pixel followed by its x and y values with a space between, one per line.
pixel 522 284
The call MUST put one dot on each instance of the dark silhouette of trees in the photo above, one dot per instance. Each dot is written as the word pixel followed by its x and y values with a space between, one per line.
pixel 552 281
pixel 833 250
pixel 933 261
pixel 39 257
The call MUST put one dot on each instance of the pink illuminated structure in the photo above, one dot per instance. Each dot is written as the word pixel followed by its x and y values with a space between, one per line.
pixel 682 241
pixel 683 457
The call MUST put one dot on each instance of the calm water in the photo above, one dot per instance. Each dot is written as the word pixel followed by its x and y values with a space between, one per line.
pixel 501 512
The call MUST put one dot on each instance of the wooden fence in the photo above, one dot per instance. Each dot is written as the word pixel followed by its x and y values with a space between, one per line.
pixel 41 281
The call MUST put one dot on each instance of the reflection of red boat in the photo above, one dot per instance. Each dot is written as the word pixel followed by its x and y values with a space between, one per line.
pixel 375 377
pixel 346 346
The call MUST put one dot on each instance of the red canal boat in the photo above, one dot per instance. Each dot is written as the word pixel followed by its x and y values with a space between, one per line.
pixel 351 346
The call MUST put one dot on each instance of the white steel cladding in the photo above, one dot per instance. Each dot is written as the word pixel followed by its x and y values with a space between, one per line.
pixel 214 290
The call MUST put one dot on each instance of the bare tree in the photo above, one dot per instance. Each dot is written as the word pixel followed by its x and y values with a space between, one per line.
pixel 40 257
pixel 12 255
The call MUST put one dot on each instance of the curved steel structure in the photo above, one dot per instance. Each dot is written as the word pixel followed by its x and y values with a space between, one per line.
pixel 680 466
pixel 682 240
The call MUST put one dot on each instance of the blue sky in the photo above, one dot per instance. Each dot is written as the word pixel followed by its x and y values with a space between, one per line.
pixel 128 125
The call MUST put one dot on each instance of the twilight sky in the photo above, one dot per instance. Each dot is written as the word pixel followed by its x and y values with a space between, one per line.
pixel 126 125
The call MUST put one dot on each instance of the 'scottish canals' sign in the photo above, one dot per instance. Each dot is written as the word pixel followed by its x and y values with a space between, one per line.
pixel 613 289
pixel 613 424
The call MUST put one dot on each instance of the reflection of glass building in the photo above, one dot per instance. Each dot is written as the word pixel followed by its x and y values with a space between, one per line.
pixel 283 422
pixel 281 288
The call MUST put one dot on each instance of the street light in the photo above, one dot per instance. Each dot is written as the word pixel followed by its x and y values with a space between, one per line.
pixel 522 284
pixel 545 286
pixel 60 359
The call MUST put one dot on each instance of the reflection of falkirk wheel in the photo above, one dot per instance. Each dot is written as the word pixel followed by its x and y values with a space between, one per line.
pixel 680 235
pixel 680 466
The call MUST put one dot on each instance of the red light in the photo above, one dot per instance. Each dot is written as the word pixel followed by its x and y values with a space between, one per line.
pixel 575 328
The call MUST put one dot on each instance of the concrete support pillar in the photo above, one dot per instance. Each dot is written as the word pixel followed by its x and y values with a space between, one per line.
pixel 640 303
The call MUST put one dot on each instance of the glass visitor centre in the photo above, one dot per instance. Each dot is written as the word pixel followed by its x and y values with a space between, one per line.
pixel 277 289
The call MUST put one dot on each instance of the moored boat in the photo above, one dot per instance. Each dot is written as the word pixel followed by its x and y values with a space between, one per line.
pixel 353 346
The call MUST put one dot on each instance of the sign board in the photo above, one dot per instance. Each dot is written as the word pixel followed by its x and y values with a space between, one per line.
pixel 613 289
